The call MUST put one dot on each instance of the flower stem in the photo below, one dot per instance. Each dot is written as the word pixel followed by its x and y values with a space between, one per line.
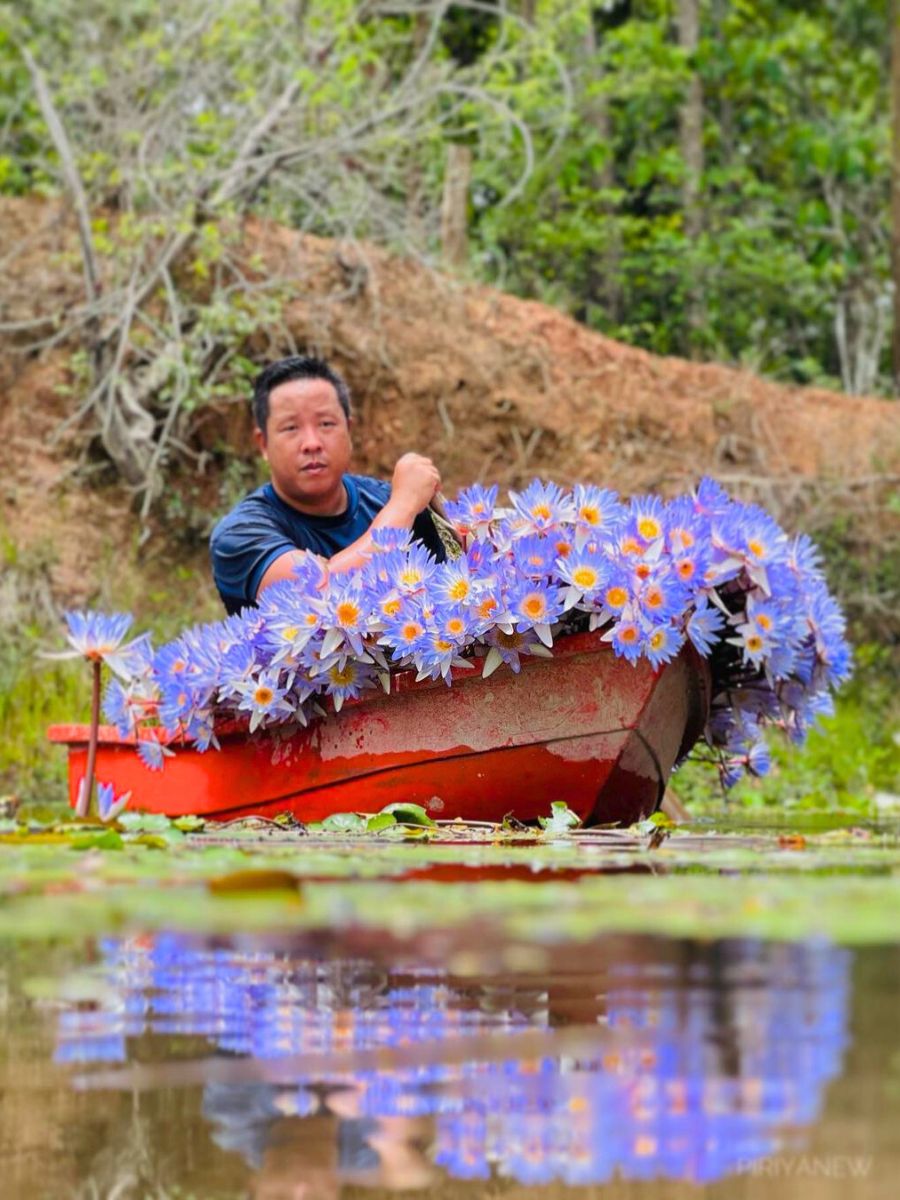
pixel 87 794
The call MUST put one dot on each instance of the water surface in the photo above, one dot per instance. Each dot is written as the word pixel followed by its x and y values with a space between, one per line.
pixel 339 1019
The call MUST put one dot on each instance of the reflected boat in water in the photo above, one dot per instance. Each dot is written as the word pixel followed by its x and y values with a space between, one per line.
pixel 631 1059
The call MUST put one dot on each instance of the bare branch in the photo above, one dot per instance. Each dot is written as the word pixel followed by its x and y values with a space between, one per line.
pixel 70 172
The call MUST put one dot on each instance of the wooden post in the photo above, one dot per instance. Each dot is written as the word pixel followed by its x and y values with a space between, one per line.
pixel 454 206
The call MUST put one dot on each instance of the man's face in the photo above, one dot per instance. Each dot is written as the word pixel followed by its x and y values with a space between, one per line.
pixel 307 445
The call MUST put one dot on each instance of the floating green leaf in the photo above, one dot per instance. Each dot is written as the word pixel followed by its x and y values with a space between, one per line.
pixel 561 819
pixel 408 814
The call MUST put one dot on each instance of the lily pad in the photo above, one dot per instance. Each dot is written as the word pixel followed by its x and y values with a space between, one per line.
pixel 408 814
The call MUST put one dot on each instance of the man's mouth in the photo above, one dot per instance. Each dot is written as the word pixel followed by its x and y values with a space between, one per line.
pixel 314 468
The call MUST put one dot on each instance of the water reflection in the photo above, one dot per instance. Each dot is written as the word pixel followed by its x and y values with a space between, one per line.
pixel 637 1059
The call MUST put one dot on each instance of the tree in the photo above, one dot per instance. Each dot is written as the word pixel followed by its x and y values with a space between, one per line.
pixel 895 186
pixel 166 135
pixel 690 120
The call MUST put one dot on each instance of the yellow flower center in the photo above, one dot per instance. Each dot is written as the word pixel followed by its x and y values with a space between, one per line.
pixel 347 613
pixel 631 546
pixel 585 577
pixel 642 570
pixel 756 547
pixel 541 511
pixel 410 576
pixel 290 633
pixel 686 568
pixel 411 630
pixel 263 694
pixel 441 646
pixel 590 514
pixel 455 625
pixel 754 642
pixel 486 607
pixel 649 528
pixel 342 675
pixel 616 597
pixel 390 608
pixel 459 590
pixel 534 606
pixel 764 621
pixel 311 619
pixel 657 639
pixel 654 597
pixel 628 634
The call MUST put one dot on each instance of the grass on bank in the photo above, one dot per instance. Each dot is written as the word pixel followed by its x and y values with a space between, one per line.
pixel 36 692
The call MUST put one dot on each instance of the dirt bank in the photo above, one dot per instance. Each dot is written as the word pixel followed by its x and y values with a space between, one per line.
pixel 494 387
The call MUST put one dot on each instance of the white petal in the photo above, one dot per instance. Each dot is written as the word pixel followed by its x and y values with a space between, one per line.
pixel 543 632
pixel 81 799
pixel 332 640
pixel 492 661
pixel 118 806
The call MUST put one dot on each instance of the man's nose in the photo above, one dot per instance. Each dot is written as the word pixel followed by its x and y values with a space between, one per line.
pixel 311 439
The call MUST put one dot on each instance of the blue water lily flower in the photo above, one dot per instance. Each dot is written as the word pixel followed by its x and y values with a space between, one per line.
pixel 152 752
pixel 541 507
pixel 96 635
pixel 265 699
pixel 473 510
pixel 108 804
pixel 649 575
pixel 508 648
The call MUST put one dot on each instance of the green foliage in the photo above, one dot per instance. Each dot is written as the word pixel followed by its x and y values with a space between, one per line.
pixel 36 692
pixel 579 181
pixel 793 201
pixel 851 762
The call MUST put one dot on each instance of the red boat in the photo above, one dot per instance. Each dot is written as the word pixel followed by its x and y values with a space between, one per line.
pixel 583 726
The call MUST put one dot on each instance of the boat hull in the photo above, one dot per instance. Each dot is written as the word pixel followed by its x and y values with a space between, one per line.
pixel 584 727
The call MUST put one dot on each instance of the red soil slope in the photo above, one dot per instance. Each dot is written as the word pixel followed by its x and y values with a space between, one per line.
pixel 493 387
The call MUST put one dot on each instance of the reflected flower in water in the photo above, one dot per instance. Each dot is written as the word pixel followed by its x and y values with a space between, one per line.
pixel 697 1066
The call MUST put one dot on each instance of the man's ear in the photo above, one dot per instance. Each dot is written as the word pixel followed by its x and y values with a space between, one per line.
pixel 260 440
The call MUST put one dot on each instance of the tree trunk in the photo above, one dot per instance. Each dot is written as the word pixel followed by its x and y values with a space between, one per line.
pixel 690 120
pixel 895 188
pixel 603 275
pixel 416 232
pixel 454 207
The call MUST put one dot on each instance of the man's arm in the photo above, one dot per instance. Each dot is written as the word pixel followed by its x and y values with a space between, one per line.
pixel 413 485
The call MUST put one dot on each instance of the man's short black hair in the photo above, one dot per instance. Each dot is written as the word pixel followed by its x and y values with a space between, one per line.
pixel 298 366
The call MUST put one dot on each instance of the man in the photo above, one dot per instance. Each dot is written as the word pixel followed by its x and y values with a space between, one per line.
pixel 303 423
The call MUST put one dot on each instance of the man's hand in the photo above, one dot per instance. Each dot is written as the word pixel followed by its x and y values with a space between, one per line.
pixel 414 482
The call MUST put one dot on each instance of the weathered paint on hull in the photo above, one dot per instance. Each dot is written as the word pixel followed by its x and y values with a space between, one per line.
pixel 584 727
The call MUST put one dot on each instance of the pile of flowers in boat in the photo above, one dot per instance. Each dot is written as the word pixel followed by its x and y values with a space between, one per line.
pixel 651 575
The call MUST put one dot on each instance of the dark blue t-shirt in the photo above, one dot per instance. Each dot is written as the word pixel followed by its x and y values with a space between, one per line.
pixel 259 529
